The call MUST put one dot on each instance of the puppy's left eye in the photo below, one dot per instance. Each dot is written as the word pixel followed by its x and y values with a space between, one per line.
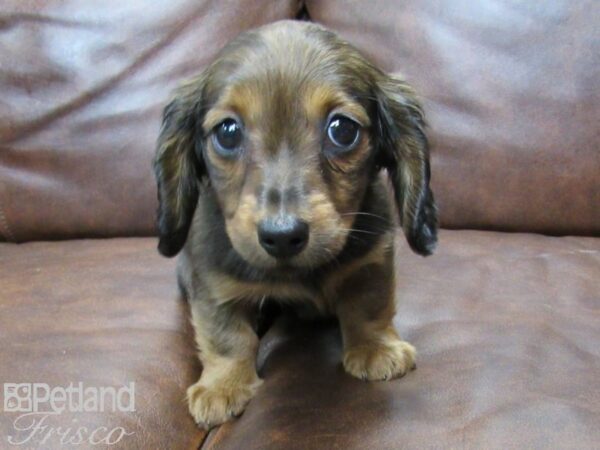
pixel 343 132
pixel 227 137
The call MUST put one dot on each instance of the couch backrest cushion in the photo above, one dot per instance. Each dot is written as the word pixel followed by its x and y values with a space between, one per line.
pixel 510 88
pixel 83 84
pixel 512 93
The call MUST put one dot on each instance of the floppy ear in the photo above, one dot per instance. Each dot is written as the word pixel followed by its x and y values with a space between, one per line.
pixel 179 167
pixel 404 151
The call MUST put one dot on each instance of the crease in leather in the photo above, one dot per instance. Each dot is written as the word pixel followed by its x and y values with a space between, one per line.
pixel 6 233
pixel 16 132
pixel 11 20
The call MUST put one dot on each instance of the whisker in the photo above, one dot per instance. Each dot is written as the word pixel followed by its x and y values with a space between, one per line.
pixel 356 238
pixel 365 214
pixel 354 230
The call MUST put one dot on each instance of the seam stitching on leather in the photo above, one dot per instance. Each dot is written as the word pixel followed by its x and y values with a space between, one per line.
pixel 5 228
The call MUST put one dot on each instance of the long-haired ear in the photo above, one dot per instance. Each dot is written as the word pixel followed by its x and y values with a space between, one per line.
pixel 404 151
pixel 179 167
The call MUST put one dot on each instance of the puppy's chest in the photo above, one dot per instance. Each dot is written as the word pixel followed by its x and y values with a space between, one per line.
pixel 227 288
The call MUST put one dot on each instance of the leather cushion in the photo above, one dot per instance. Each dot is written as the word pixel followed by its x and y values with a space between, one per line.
pixel 511 93
pixel 508 357
pixel 505 325
pixel 104 313
pixel 83 85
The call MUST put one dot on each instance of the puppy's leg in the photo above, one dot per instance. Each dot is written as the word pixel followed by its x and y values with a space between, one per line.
pixel 227 348
pixel 372 348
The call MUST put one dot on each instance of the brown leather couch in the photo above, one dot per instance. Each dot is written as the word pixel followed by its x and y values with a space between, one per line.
pixel 505 316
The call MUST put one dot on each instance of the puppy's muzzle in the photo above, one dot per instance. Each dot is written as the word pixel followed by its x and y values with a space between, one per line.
pixel 283 236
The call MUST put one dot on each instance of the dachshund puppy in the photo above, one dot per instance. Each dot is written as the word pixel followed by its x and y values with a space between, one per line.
pixel 268 182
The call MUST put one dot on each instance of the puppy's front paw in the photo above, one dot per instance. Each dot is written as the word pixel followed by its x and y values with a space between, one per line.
pixel 216 404
pixel 380 360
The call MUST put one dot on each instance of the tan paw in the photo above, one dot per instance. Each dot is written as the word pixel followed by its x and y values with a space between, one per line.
pixel 380 360
pixel 213 405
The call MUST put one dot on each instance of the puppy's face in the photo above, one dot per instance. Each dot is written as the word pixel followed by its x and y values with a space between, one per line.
pixel 289 162
pixel 290 125
pixel 288 154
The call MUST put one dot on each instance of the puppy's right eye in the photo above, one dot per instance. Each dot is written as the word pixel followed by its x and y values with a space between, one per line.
pixel 227 137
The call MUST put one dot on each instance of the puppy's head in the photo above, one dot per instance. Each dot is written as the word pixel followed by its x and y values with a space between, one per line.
pixel 288 127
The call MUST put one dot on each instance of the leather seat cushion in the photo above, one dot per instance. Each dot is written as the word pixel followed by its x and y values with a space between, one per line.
pixel 506 326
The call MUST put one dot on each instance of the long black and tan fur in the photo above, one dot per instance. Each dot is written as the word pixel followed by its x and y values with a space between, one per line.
pixel 282 82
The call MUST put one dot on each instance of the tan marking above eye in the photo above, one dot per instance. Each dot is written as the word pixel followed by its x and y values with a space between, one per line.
pixel 244 102
pixel 353 111
pixel 323 101
pixel 217 115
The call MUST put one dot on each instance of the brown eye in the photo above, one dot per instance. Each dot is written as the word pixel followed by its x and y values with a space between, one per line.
pixel 227 137
pixel 343 132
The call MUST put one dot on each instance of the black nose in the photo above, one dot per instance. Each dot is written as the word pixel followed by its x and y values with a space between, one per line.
pixel 283 237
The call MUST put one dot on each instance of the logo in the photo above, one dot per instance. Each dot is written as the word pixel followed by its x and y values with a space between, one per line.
pixel 17 397
pixel 39 405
